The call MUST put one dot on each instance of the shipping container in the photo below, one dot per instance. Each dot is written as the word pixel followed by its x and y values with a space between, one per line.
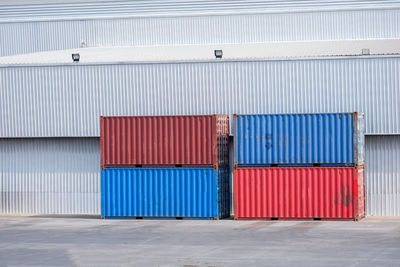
pixel 165 193
pixel 164 140
pixel 333 139
pixel 299 193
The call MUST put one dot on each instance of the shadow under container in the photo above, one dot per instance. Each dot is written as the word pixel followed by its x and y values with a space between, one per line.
pixel 175 193
pixel 265 193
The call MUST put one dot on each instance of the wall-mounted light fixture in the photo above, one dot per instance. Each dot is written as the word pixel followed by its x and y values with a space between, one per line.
pixel 218 53
pixel 365 51
pixel 76 57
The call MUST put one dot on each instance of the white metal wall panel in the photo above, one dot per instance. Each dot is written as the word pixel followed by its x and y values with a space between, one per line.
pixel 49 9
pixel 62 176
pixel 382 185
pixel 42 101
pixel 50 176
pixel 28 37
pixel 195 53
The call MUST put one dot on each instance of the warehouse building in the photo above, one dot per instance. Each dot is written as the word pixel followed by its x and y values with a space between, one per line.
pixel 185 57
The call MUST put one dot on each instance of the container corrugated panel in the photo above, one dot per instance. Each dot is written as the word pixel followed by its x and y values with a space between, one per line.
pixel 68 100
pixel 299 193
pixel 164 140
pixel 49 176
pixel 299 139
pixel 165 192
pixel 382 175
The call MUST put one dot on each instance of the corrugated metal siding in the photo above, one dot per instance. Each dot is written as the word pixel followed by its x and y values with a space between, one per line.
pixel 360 138
pixel 50 176
pixel 88 9
pixel 64 176
pixel 382 168
pixel 293 139
pixel 29 37
pixel 164 140
pixel 165 192
pixel 68 100
pixel 299 192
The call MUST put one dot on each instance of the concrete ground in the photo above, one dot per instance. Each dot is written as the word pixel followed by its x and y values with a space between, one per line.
pixel 89 241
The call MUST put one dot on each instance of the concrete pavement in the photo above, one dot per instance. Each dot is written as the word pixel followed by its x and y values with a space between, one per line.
pixel 90 241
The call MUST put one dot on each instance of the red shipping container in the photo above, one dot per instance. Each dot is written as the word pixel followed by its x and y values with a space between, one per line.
pixel 299 193
pixel 164 141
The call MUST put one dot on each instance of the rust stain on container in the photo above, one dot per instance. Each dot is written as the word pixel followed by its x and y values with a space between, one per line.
pixel 140 141
pixel 299 193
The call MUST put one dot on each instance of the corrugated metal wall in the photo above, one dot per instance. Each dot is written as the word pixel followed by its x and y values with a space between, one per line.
pixel 50 176
pixel 62 176
pixel 52 10
pixel 67 100
pixel 28 37
pixel 382 185
pixel 40 101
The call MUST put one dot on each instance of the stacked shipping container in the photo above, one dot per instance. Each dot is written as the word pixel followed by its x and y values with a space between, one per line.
pixel 165 166
pixel 299 166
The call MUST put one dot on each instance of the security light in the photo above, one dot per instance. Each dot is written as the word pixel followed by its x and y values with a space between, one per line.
pixel 365 51
pixel 76 57
pixel 218 53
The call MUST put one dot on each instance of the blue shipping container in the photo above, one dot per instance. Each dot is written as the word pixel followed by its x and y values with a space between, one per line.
pixel 165 192
pixel 299 139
